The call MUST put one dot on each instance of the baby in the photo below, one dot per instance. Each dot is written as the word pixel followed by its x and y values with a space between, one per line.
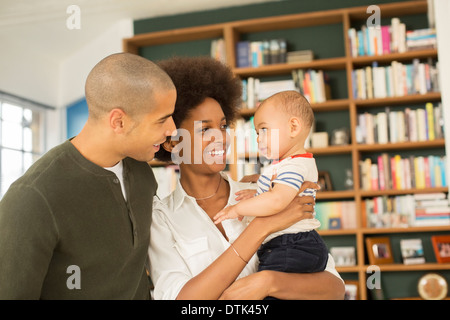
pixel 298 248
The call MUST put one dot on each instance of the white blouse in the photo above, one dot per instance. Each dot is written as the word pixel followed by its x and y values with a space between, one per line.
pixel 184 241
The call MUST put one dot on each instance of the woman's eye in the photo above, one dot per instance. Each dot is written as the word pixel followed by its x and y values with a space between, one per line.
pixel 224 126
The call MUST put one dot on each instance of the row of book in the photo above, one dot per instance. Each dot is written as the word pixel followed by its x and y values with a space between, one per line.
pixel 421 124
pixel 336 214
pixel 254 91
pixel 313 84
pixel 218 50
pixel 403 211
pixel 399 173
pixel 395 80
pixel 259 53
pixel 246 142
pixel 393 38
pixel 421 39
pixel 299 56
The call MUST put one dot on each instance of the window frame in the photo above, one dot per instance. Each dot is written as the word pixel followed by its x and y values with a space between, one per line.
pixel 35 107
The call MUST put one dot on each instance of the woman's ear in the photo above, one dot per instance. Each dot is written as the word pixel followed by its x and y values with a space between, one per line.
pixel 295 126
pixel 169 144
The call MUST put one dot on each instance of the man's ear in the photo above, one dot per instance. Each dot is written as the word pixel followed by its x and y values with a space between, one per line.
pixel 295 126
pixel 117 119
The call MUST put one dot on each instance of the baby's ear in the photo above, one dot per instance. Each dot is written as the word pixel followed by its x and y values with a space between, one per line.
pixel 295 126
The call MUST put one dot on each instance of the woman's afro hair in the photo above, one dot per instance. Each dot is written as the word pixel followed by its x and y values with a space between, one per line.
pixel 197 78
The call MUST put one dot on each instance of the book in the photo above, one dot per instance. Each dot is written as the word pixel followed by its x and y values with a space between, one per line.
pixel 395 80
pixel 395 172
pixel 400 126
pixel 299 56
pixel 243 54
pixel 412 251
pixel 259 53
pixel 330 212
pixel 218 50
pixel 392 38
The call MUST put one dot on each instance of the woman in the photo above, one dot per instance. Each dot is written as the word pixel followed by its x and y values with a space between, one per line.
pixel 190 256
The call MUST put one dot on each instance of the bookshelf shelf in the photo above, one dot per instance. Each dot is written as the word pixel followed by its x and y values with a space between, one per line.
pixel 416 98
pixel 330 105
pixel 344 63
pixel 323 195
pixel 397 267
pixel 286 68
pixel 376 193
pixel 406 56
pixel 351 269
pixel 331 150
pixel 133 44
pixel 339 232
pixel 412 267
pixel 403 230
pixel 438 143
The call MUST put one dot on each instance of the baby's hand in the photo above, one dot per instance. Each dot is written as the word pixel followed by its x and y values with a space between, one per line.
pixel 226 213
pixel 245 194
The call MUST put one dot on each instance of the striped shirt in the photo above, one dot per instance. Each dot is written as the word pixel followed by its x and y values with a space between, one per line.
pixel 292 171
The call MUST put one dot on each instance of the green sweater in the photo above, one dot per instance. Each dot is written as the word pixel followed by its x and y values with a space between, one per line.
pixel 67 213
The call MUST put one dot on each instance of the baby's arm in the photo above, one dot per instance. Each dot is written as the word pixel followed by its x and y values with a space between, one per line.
pixel 265 204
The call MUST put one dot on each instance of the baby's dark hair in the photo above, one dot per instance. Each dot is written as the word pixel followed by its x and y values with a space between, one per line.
pixel 198 78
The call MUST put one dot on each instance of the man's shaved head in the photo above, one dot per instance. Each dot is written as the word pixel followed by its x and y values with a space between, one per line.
pixel 125 81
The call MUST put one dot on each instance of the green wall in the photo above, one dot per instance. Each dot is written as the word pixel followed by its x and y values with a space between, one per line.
pixel 246 12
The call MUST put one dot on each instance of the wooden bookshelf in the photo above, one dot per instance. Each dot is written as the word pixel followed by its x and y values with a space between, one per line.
pixel 232 31
pixel 285 68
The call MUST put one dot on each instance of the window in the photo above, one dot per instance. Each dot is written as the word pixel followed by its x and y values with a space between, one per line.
pixel 22 136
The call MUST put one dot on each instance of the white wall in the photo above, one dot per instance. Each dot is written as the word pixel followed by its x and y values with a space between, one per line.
pixel 28 74
pixel 75 68
pixel 72 75
pixel 442 14
pixel 57 83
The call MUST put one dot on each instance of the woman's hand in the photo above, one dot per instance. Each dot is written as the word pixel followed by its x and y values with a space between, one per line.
pixel 308 185
pixel 300 208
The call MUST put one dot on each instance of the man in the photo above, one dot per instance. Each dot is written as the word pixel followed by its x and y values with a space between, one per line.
pixel 76 224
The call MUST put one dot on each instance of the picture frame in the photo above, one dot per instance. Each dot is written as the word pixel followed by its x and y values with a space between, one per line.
pixel 340 137
pixel 324 181
pixel 379 250
pixel 343 256
pixel 441 246
pixel 412 251
pixel 351 290
pixel 334 223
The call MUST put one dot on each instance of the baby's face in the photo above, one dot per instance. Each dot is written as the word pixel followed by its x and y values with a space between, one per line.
pixel 272 130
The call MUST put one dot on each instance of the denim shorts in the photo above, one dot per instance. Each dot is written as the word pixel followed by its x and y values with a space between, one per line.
pixel 301 252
